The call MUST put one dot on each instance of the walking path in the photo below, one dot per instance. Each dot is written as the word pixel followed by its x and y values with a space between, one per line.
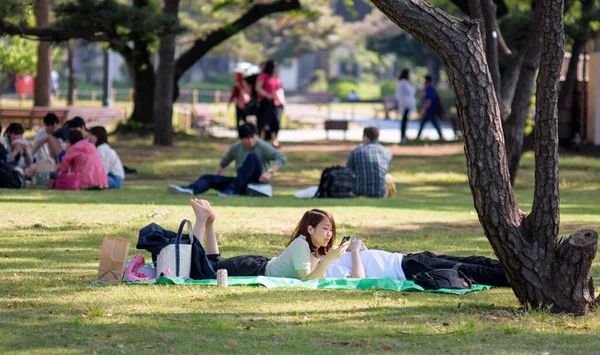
pixel 389 132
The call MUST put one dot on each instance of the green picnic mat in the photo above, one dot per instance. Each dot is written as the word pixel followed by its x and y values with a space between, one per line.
pixel 278 282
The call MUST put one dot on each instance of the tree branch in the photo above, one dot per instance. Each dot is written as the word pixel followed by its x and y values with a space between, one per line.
pixel 545 209
pixel 51 34
pixel 202 46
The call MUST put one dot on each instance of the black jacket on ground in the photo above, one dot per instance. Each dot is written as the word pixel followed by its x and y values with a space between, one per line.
pixel 154 237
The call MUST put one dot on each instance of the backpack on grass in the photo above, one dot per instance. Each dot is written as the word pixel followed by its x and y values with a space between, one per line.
pixel 336 182
pixel 435 279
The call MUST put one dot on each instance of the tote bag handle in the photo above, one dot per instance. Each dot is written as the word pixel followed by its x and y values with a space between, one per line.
pixel 178 241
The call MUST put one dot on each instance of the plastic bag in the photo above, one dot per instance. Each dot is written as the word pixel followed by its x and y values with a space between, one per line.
pixel 139 270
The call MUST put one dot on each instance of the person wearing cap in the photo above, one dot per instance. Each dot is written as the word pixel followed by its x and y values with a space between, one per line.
pixel 240 94
pixel 253 165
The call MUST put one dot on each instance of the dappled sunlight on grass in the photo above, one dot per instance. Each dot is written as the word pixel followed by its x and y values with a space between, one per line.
pixel 50 245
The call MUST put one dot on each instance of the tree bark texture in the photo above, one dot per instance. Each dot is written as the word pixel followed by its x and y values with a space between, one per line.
pixel 508 85
pixel 514 127
pixel 42 86
pixel 488 9
pixel 541 273
pixel 476 11
pixel 143 83
pixel 163 97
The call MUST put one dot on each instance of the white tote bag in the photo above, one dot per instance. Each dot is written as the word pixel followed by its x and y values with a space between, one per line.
pixel 177 257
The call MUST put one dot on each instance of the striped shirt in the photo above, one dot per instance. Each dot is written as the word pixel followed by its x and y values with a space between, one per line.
pixel 369 163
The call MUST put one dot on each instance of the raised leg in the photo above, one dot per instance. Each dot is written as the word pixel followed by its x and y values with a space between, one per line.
pixel 203 227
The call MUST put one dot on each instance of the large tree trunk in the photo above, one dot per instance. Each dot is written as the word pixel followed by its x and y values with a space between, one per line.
pixel 71 74
pixel 491 42
pixel 42 89
pixel 143 84
pixel 541 273
pixel 514 127
pixel 163 98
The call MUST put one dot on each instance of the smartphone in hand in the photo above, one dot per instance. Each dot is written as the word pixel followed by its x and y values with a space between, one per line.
pixel 345 239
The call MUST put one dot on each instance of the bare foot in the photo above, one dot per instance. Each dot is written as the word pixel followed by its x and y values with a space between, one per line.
pixel 202 210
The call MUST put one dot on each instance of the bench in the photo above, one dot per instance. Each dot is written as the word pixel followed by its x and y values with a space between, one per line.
pixel 97 116
pixel 389 104
pixel 337 125
pixel 309 108
pixel 30 117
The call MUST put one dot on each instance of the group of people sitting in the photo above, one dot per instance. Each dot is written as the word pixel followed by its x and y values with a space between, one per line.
pixel 312 252
pixel 256 161
pixel 70 152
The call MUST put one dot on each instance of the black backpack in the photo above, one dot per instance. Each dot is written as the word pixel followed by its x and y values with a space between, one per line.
pixel 435 279
pixel 9 177
pixel 337 182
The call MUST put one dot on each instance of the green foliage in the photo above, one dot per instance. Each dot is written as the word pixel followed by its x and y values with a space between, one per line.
pixel 388 88
pixel 18 55
pixel 287 35
pixel 365 90
pixel 116 19
pixel 318 81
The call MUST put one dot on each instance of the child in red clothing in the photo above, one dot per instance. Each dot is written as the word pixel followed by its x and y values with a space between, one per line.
pixel 240 94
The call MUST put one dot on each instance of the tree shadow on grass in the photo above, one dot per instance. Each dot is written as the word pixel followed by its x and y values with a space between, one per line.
pixel 442 324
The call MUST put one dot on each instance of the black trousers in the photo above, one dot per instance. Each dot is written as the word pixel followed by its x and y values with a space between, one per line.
pixel 480 269
pixel 243 265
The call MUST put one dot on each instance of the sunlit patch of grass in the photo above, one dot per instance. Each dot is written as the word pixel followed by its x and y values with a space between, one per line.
pixel 50 245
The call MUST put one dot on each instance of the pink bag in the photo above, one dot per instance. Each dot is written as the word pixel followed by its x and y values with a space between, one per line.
pixel 138 270
pixel 67 180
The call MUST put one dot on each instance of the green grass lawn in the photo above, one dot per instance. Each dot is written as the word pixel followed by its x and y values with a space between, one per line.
pixel 50 245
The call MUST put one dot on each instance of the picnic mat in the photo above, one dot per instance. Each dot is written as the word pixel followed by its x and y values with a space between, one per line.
pixel 279 282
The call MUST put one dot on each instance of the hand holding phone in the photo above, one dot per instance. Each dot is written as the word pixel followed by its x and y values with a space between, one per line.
pixel 345 239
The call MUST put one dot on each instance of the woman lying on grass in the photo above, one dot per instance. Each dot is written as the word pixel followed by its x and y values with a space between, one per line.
pixel 362 263
pixel 306 257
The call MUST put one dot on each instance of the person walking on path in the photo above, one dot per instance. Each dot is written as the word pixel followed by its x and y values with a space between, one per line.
pixel 405 98
pixel 429 111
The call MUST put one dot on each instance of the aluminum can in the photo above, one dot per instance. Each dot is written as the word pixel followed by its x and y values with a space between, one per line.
pixel 222 278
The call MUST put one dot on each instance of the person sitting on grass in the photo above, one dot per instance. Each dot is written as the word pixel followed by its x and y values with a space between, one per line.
pixel 19 154
pixel 110 159
pixel 369 164
pixel 83 159
pixel 307 256
pixel 362 262
pixel 9 176
pixel 252 158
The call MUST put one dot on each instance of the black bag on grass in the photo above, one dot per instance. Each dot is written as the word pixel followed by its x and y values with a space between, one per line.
pixel 435 279
pixel 9 177
pixel 336 182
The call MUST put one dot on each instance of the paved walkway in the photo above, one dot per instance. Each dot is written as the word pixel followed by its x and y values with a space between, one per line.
pixel 389 132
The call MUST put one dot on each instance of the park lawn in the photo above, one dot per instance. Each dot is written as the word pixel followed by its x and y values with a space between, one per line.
pixel 50 244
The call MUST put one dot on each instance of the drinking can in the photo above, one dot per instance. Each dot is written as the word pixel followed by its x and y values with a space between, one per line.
pixel 222 277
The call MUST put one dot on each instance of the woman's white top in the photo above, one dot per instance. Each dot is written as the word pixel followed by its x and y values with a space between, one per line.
pixel 377 263
pixel 405 96
pixel 110 161
pixel 296 256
